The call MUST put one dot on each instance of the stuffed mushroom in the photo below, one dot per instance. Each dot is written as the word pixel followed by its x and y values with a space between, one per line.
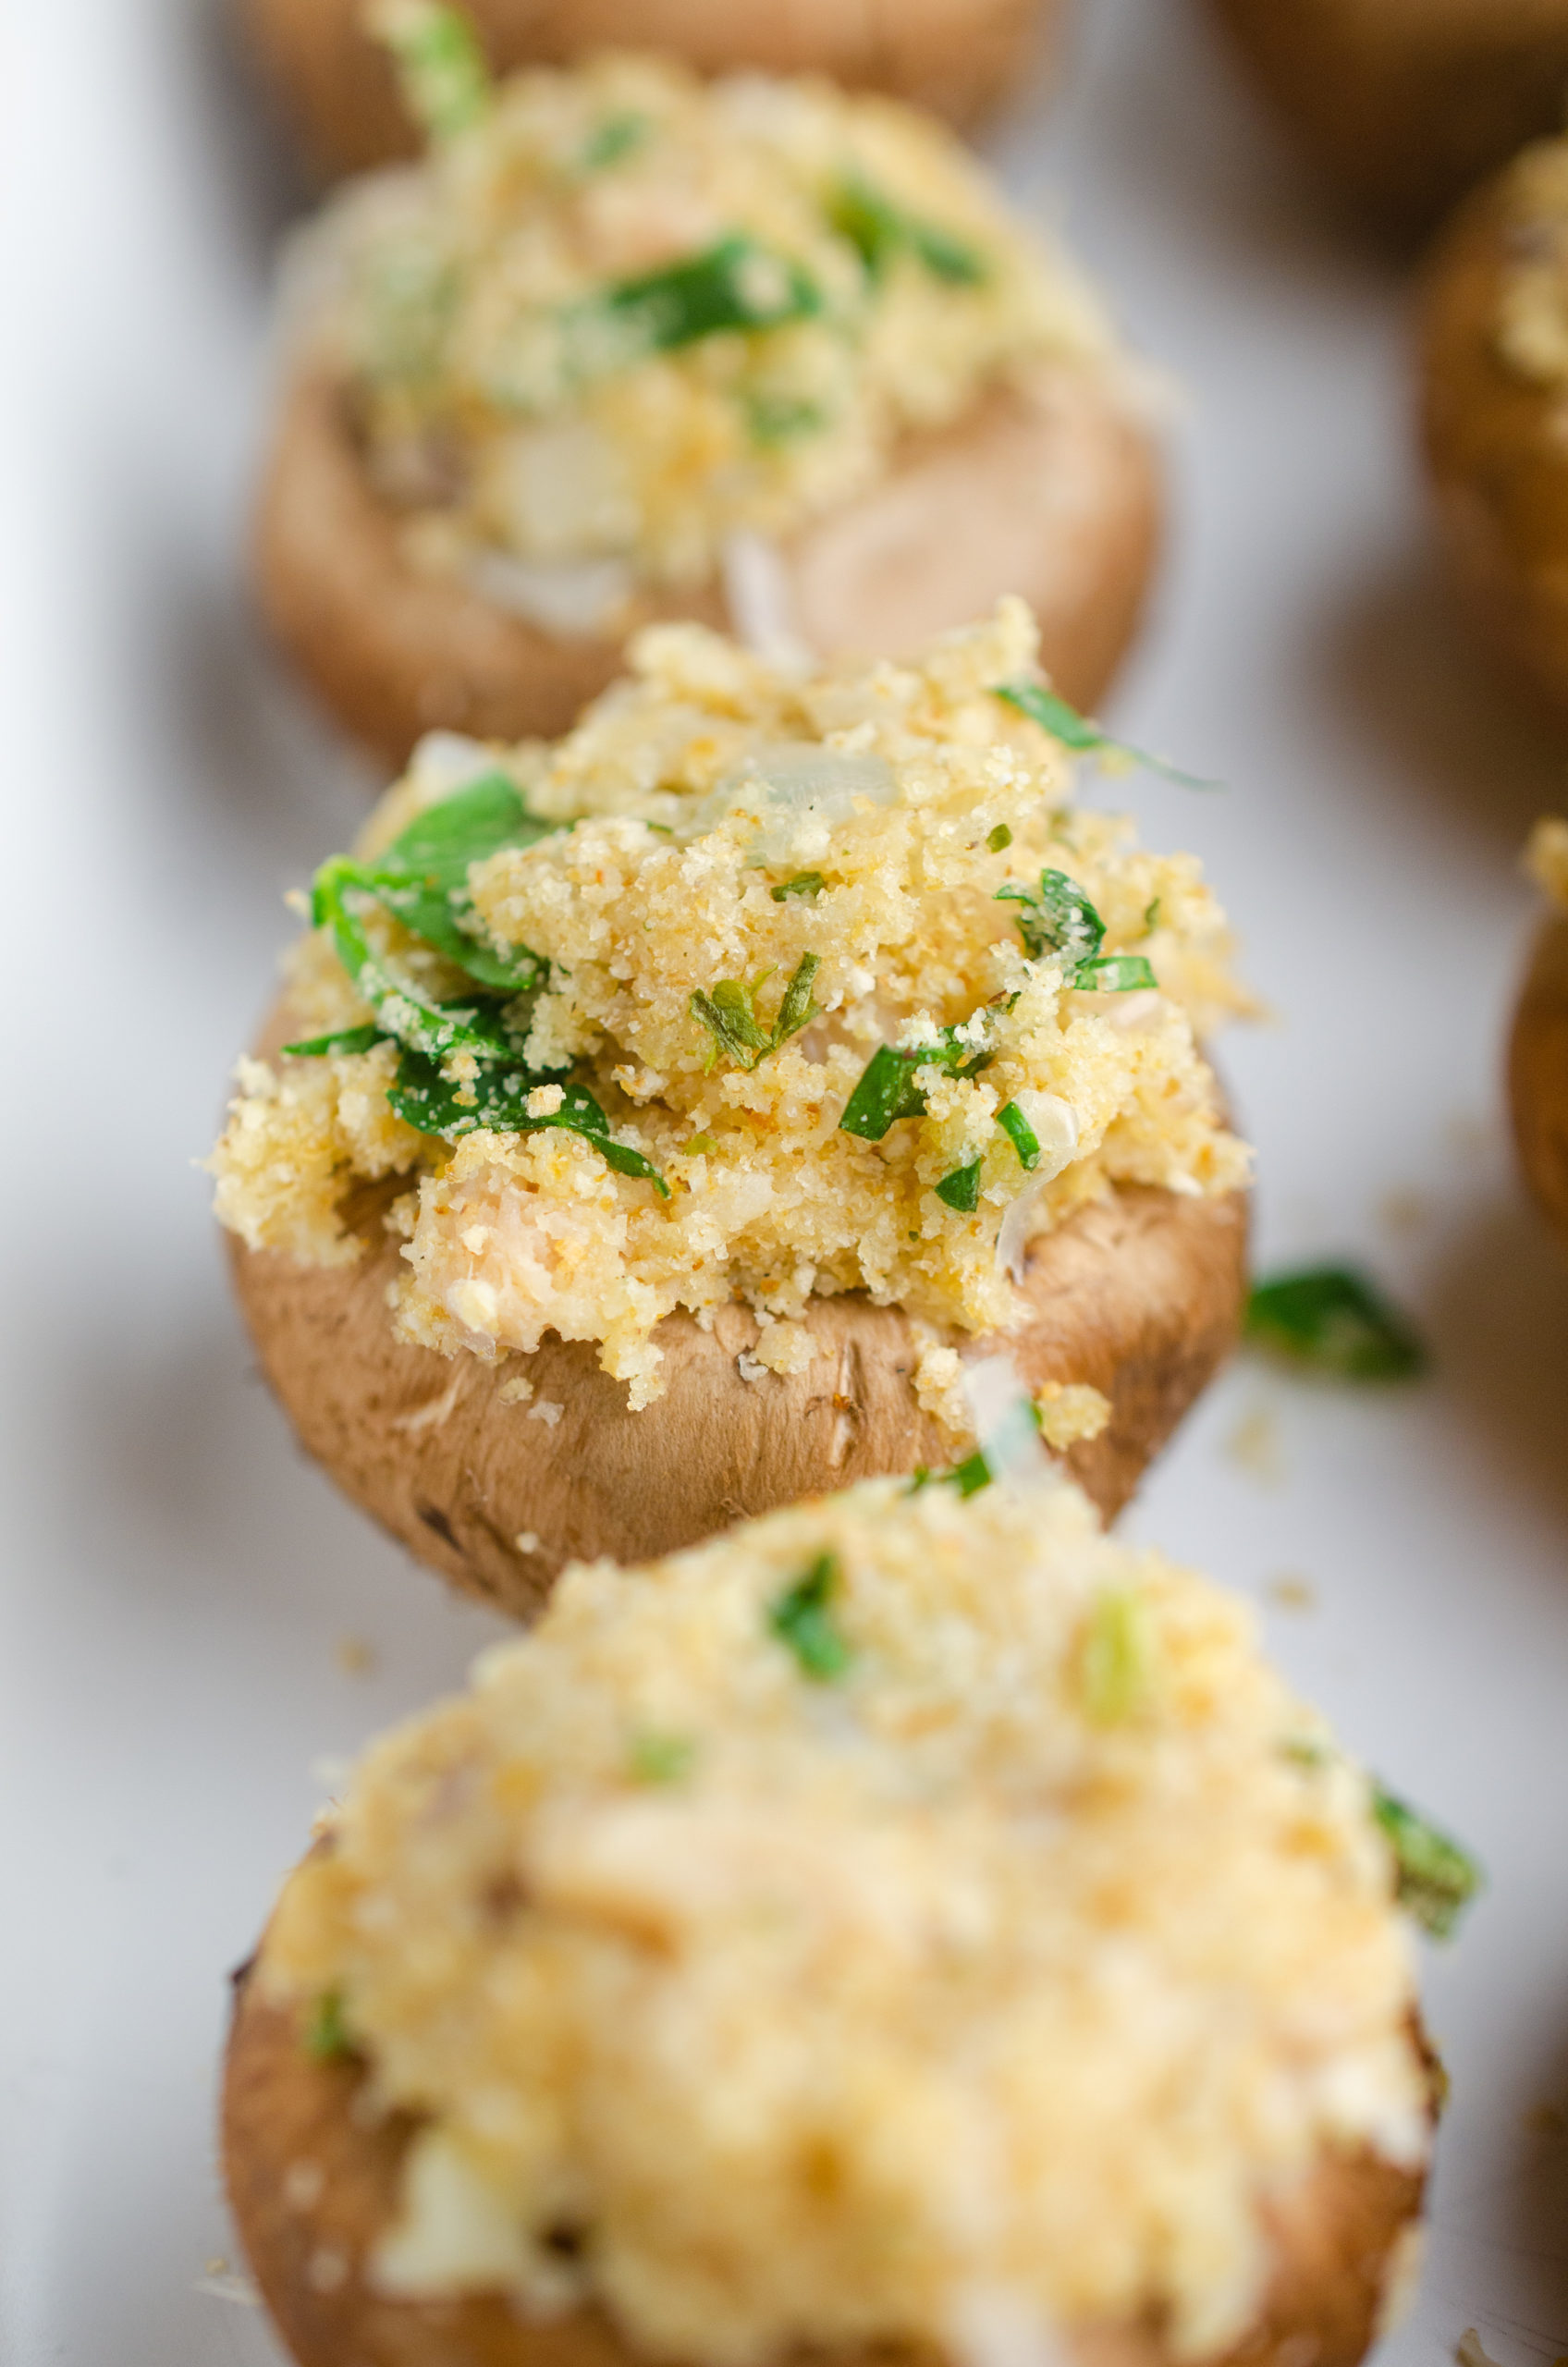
pixel 1494 361
pixel 905 1927
pixel 1537 1056
pixel 1404 104
pixel 627 348
pixel 655 1122
pixel 955 57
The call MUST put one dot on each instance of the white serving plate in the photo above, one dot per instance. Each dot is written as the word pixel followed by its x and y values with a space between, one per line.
pixel 179 1583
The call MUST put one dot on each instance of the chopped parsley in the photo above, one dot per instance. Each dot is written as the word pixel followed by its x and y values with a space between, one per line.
pixel 1334 1321
pixel 441 68
pixel 1053 714
pixel 1058 919
pixel 804 883
pixel 461 1062
pixel 881 230
pixel 1437 1878
pixel 886 1090
pixel 325 2036
pixel 612 140
pixel 730 1014
pixel 736 285
pixel 775 418
pixel 802 1619
pixel 960 1190
pixel 654 1758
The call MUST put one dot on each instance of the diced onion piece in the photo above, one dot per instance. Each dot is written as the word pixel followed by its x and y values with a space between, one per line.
pixel 756 592
pixel 444 761
pixel 1003 1416
pixel 568 596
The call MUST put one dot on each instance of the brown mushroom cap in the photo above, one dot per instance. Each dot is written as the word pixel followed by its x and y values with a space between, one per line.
pixel 1053 492
pixel 1537 1074
pixel 1404 104
pixel 313 2183
pixel 1495 453
pixel 1139 1296
pixel 955 57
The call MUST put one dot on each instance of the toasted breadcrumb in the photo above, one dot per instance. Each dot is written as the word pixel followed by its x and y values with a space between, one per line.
pixel 944 1975
pixel 540 446
pixel 890 784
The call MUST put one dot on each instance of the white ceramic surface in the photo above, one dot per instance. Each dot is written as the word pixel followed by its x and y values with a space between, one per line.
pixel 179 1588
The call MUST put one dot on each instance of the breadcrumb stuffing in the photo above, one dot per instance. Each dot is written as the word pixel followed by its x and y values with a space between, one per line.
pixel 684 800
pixel 1546 857
pixel 1070 1412
pixel 558 446
pixel 1531 332
pixel 1091 1974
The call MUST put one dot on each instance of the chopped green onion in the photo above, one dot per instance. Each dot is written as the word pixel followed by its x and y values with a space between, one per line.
pixel 728 1014
pixel 999 838
pixel 1333 1319
pixel 800 1618
pixel 1114 1662
pixel 699 1144
pixel 325 2036
pixel 441 68
pixel 804 883
pixel 960 1190
pixel 660 1758
pixel 1151 917
pixel 886 1090
pixel 1437 1878
pixel 1053 714
pixel 880 230
pixel 1020 1133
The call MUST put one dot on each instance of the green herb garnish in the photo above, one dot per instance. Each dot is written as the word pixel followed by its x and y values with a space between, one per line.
pixel 886 1090
pixel 800 1618
pixel 960 1190
pixel 999 838
pixel 881 230
pixel 804 883
pixel 728 1014
pixel 660 1758
pixel 325 2036
pixel 1437 1878
pixel 734 286
pixel 441 68
pixel 1052 713
pixel 1058 919
pixel 1333 1319
pixel 346 1041
pixel 460 1061
pixel 612 140
pixel 779 419
pixel 1020 1133
pixel 1115 1656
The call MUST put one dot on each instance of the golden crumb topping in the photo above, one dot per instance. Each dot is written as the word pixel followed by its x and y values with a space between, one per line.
pixel 776 984
pixel 1532 316
pixel 899 1916
pixel 622 315
pixel 1546 857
